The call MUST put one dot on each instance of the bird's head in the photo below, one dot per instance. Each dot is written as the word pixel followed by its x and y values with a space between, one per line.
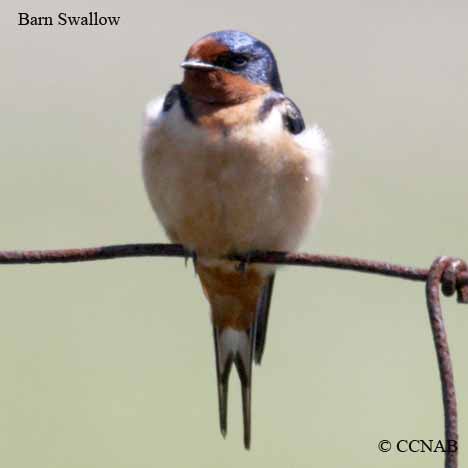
pixel 229 67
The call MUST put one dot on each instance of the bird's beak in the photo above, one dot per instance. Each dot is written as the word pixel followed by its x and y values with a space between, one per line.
pixel 196 65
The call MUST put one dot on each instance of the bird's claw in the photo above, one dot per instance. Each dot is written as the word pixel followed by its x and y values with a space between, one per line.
pixel 191 254
pixel 244 263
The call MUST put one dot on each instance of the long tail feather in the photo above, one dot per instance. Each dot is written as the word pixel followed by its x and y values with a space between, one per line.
pixel 223 369
pixel 234 346
pixel 246 386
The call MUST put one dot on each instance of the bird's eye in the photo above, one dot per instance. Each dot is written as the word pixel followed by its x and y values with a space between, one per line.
pixel 239 61
pixel 232 61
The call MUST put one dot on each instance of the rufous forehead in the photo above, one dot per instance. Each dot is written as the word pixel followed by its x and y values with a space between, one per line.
pixel 206 49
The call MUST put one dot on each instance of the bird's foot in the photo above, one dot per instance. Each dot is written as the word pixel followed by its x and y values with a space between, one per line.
pixel 244 263
pixel 191 254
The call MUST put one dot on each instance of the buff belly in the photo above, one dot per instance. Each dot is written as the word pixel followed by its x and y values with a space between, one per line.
pixel 253 188
pixel 222 199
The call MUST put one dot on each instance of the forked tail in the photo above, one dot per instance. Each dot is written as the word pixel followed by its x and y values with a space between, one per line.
pixel 239 305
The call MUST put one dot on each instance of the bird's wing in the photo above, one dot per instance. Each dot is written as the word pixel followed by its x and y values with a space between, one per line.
pixel 263 310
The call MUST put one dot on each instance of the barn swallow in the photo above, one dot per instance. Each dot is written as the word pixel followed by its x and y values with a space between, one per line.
pixel 230 168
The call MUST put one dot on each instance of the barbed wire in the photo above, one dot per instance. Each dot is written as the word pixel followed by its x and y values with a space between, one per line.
pixel 448 274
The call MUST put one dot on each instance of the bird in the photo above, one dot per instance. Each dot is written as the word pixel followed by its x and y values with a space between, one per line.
pixel 230 168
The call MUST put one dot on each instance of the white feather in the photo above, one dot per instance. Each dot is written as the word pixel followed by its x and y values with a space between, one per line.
pixel 153 110
pixel 232 342
pixel 314 142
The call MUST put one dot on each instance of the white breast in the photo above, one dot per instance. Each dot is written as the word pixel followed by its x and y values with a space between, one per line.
pixel 258 187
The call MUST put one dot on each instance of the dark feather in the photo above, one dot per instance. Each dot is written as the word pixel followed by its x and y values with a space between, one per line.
pixel 242 359
pixel 245 376
pixel 171 97
pixel 222 376
pixel 176 93
pixel 292 117
pixel 262 318
pixel 272 100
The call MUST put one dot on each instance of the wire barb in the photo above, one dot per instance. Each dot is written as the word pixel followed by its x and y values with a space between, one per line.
pixel 446 273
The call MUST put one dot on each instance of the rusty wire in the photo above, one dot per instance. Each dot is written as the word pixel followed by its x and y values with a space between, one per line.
pixel 446 273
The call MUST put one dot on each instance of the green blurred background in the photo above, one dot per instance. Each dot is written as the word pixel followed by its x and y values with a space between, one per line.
pixel 111 364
